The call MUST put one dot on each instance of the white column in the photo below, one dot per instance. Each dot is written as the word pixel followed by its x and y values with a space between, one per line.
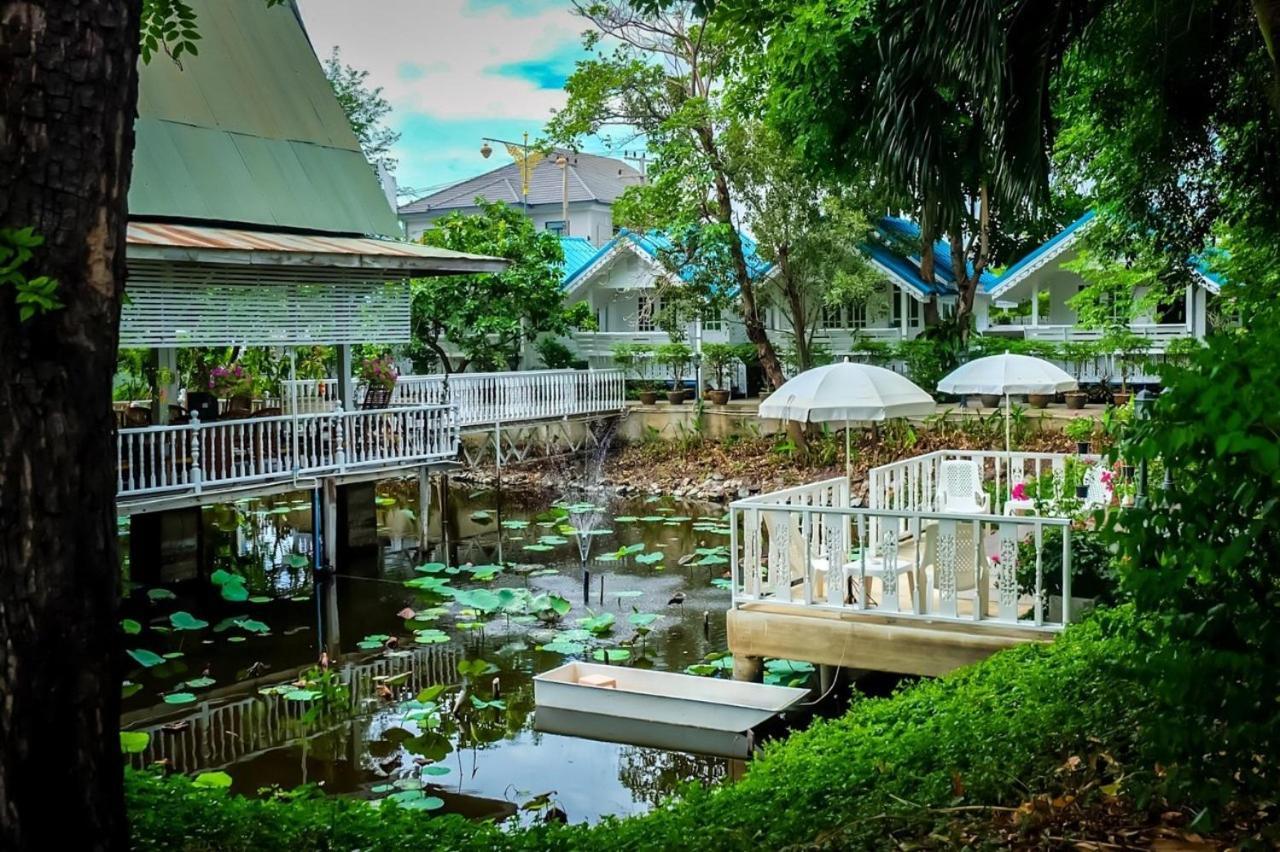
pixel 1191 308
pixel 346 388
pixel 1035 305
pixel 902 303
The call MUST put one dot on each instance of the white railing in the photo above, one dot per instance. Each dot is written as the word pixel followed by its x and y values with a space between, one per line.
pixel 794 549
pixel 224 455
pixel 485 398
pixel 1159 333
pixel 911 485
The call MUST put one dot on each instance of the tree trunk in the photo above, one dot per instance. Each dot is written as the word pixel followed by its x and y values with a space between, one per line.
pixel 66 145
pixel 751 319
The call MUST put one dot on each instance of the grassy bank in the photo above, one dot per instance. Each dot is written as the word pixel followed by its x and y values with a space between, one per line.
pixel 982 736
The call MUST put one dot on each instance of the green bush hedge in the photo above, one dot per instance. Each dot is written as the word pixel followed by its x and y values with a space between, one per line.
pixel 989 730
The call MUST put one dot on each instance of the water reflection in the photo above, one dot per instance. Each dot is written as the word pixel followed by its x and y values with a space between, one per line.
pixel 480 758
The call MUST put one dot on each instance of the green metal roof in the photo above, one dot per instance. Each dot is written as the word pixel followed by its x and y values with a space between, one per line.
pixel 249 132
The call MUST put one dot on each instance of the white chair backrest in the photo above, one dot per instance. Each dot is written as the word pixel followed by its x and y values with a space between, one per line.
pixel 966 570
pixel 960 488
pixel 1098 494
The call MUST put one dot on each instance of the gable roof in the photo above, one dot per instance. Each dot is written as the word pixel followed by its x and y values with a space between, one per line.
pixel 649 247
pixel 578 252
pixel 591 178
pixel 1041 256
pixel 248 132
pixel 903 269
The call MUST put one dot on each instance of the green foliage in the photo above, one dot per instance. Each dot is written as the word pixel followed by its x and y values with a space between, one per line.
pixel 979 736
pixel 366 109
pixel 676 357
pixel 1080 429
pixel 488 317
pixel 171 27
pixel 720 358
pixel 555 355
pixel 1199 554
pixel 32 296
pixel 1093 573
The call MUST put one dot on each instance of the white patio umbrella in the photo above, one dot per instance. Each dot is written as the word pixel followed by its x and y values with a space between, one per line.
pixel 846 392
pixel 1007 374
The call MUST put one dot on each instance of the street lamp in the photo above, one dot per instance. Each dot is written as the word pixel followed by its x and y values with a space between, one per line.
pixel 526 156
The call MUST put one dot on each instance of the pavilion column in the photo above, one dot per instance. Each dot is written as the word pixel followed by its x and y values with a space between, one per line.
pixel 166 389
pixel 1191 308
pixel 1035 305
pixel 346 385
pixel 902 304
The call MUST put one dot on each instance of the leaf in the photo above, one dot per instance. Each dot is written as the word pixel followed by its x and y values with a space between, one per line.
pixel 200 683
pixel 183 620
pixel 235 591
pixel 568 649
pixel 301 695
pixel 610 655
pixel 430 637
pixel 179 698
pixel 134 742
pixel 130 627
pixel 213 780
pixel 157 595
pixel 649 558
pixel 150 659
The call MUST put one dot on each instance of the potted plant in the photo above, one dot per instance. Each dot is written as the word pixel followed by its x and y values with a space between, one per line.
pixel 633 360
pixel 720 357
pixel 1126 346
pixel 1077 353
pixel 1073 471
pixel 644 353
pixel 1093 577
pixel 1080 430
pixel 675 357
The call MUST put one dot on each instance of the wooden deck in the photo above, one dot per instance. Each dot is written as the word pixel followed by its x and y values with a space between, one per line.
pixel 867 640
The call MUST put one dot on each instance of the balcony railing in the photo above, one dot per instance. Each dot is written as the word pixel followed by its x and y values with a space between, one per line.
pixel 485 398
pixel 806 549
pixel 225 455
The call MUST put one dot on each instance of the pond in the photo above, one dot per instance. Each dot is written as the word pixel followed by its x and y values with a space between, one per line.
pixel 427 694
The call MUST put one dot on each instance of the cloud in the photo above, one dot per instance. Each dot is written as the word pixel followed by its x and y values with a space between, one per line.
pixel 454 71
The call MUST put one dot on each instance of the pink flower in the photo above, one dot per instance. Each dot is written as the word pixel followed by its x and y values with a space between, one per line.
pixel 1019 491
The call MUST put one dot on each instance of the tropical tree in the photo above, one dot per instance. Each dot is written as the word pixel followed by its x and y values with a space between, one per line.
pixel 366 109
pixel 667 79
pixel 486 319
pixel 66 145
pixel 811 233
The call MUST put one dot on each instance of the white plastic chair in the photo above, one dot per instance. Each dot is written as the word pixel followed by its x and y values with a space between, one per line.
pixel 960 488
pixel 1098 493
pixel 971 580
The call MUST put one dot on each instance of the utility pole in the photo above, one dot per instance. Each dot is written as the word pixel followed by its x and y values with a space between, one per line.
pixel 526 157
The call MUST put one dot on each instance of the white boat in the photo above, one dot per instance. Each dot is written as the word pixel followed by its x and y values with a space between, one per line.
pixel 664 710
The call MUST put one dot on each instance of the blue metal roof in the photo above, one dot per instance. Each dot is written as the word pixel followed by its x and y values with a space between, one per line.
pixel 1051 246
pixel 653 244
pixel 578 252
pixel 906 267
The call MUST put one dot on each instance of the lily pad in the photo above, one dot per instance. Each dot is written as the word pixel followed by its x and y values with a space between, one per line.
pixel 183 620
pixel 569 649
pixel 150 659
pixel 649 558
pixel 610 655
pixel 180 698
pixel 200 682
pixel 301 695
pixel 430 637
pixel 130 627
pixel 157 595
pixel 213 780
pixel 134 742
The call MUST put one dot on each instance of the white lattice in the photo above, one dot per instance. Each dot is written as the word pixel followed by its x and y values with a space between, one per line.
pixel 187 313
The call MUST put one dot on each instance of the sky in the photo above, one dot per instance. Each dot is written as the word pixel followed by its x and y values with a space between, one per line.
pixel 454 71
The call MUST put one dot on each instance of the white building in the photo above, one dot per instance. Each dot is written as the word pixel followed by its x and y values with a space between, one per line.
pixel 591 183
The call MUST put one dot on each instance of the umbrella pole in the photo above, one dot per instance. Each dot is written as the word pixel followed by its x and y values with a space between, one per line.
pixel 848 459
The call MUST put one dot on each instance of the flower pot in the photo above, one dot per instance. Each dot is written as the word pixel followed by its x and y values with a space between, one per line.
pixel 1120 398
pixel 718 397
pixel 1079 606
pixel 675 397
pixel 1082 491
pixel 1076 401
pixel 648 397
pixel 1039 400
pixel 1127 471
pixel 990 400
pixel 1082 448
pixel 203 404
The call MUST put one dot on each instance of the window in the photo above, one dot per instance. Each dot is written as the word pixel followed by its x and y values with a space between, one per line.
pixel 858 315
pixel 647 309
pixel 711 320
pixel 913 310
pixel 831 317
pixel 556 226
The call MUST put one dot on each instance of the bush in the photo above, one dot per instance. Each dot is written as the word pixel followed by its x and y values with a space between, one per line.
pixel 1092 573
pixel 980 735
pixel 555 355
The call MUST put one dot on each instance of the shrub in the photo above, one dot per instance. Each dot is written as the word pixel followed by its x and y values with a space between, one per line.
pixel 555 355
pixel 1092 573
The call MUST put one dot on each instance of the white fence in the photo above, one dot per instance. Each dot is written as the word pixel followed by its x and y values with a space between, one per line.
pixel 806 548
pixel 486 398
pixel 227 454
